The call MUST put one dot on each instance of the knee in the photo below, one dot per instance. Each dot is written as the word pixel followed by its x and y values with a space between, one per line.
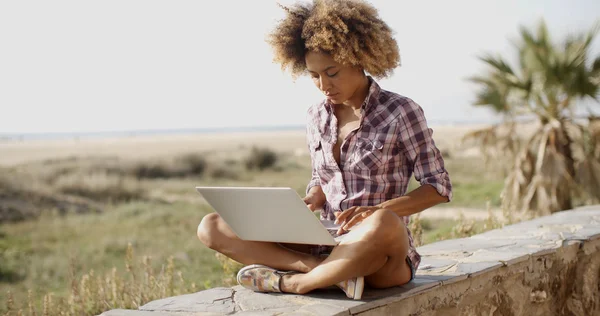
pixel 208 231
pixel 386 223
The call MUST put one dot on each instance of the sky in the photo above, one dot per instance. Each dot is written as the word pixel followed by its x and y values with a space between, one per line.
pixel 89 66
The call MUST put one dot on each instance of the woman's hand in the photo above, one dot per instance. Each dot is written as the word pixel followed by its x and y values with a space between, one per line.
pixel 353 216
pixel 315 199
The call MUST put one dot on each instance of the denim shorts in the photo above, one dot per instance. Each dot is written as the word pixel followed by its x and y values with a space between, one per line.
pixel 413 271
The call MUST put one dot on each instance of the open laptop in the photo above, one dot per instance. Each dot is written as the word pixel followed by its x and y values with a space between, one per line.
pixel 269 214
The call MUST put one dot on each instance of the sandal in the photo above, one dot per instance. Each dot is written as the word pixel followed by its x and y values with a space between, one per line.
pixel 353 287
pixel 261 278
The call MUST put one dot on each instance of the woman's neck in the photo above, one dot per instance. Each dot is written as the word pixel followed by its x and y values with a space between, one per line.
pixel 359 96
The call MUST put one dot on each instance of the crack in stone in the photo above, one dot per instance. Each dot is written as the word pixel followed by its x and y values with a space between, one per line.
pixel 448 268
pixel 226 298
pixel 235 305
pixel 232 298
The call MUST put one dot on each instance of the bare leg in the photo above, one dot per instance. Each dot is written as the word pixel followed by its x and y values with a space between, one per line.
pixel 217 235
pixel 377 249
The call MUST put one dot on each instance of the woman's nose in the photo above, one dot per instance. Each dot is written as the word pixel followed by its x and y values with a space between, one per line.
pixel 324 84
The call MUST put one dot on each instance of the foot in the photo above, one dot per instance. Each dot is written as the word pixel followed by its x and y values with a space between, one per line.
pixel 261 278
pixel 353 287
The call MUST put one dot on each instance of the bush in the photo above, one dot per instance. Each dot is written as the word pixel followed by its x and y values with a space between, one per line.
pixel 100 186
pixel 261 158
pixel 224 173
pixel 186 165
pixel 153 171
pixel 23 197
pixel 194 164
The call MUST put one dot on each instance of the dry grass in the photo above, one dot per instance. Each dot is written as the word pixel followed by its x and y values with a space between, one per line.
pixel 416 228
pixel 92 294
pixel 230 269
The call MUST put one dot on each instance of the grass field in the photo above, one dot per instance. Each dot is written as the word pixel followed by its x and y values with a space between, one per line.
pixel 65 216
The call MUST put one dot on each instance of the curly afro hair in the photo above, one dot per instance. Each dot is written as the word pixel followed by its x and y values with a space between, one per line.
pixel 348 30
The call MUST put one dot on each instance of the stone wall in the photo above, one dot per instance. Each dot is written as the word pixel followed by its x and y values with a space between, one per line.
pixel 547 266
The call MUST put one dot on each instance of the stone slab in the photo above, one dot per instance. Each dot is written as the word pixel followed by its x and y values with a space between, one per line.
pixel 132 312
pixel 324 309
pixel 502 255
pixel 247 300
pixel 273 312
pixel 460 247
pixel 377 298
pixel 477 268
pixel 217 300
pixel 433 265
pixel 332 296
pixel 443 279
pixel 462 270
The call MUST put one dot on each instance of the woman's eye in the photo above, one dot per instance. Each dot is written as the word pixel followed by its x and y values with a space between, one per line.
pixel 332 75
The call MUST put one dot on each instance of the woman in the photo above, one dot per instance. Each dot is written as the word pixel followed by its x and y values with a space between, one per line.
pixel 365 144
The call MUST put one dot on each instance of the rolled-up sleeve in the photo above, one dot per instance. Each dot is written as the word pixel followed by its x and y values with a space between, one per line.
pixel 315 180
pixel 420 150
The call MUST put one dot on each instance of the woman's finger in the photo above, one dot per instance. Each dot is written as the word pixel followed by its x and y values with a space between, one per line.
pixel 359 217
pixel 344 215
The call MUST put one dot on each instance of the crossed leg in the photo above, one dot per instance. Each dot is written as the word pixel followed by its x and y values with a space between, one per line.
pixel 376 249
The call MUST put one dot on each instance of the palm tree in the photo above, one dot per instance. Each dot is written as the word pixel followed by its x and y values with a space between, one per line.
pixel 559 163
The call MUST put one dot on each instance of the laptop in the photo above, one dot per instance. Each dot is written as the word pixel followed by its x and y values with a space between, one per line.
pixel 269 214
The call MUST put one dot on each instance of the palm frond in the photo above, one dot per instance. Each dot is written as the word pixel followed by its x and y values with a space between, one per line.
pixel 497 63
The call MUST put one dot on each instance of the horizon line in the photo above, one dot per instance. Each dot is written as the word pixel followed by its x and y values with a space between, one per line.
pixel 188 130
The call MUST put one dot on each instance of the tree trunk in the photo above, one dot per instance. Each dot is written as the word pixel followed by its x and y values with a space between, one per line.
pixel 565 192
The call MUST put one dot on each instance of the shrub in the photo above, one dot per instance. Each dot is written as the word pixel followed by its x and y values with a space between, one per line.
pixel 23 197
pixel 100 186
pixel 152 171
pixel 182 166
pixel 194 164
pixel 224 173
pixel 260 158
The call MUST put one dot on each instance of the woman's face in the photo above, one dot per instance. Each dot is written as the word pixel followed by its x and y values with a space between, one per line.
pixel 338 82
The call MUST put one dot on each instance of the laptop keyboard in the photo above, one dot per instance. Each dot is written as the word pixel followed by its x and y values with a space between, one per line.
pixel 332 229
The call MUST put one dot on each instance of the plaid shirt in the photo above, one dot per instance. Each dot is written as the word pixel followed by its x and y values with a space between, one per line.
pixel 378 159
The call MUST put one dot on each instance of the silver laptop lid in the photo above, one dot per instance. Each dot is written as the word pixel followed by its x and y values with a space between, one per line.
pixel 267 214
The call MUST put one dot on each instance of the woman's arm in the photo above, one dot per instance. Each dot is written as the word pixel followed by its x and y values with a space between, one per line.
pixel 414 201
pixel 315 198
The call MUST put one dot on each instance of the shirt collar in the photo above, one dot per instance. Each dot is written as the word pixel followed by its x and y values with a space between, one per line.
pixel 326 111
